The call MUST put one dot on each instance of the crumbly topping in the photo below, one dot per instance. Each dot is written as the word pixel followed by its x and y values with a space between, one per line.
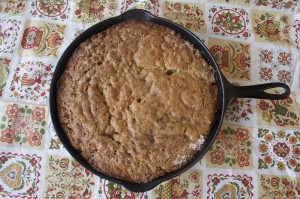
pixel 135 98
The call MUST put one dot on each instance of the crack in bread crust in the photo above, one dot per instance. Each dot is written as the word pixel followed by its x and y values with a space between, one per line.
pixel 134 98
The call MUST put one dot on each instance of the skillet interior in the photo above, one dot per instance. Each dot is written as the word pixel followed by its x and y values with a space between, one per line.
pixel 140 15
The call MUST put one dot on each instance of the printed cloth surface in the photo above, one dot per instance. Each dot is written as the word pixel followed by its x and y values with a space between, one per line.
pixel 257 151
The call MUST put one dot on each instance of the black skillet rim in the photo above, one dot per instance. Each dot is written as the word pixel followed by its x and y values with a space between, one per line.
pixel 140 15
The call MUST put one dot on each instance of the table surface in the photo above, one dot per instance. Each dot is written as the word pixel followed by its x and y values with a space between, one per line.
pixel 257 152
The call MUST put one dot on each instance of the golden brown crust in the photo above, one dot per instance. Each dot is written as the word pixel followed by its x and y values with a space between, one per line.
pixel 135 100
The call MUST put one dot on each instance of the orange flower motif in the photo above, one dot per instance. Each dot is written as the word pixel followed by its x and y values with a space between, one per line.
pixel 7 135
pixel 268 159
pixel 293 139
pixel 243 159
pixel 296 151
pixel 242 61
pixel 268 137
pixel 34 139
pixel 217 157
pixel 38 114
pixel 54 40
pixel 263 148
pixel 293 162
pixel 12 110
pixel 242 134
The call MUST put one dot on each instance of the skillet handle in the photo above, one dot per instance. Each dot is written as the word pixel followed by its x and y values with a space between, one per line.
pixel 259 91
pixel 137 14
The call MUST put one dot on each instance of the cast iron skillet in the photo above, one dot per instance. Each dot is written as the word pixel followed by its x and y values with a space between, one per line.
pixel 226 93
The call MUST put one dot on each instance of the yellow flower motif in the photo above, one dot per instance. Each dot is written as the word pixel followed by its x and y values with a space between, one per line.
pixel 281 166
pixel 288 5
pixel 61 28
pixel 281 134
pixel 245 48
pixel 266 116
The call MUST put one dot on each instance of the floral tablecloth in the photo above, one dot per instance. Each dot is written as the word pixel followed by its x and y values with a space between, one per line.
pixel 257 152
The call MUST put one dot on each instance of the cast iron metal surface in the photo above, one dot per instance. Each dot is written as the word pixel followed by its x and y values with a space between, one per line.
pixel 226 92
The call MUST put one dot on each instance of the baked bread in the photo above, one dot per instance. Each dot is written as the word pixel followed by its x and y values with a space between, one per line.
pixel 137 101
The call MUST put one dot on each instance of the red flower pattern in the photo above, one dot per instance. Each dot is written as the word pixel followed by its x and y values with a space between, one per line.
pixel 285 76
pixel 3 159
pixel 12 111
pixel 231 142
pixel 38 114
pixel 35 138
pixel 33 162
pixel 30 191
pixel 281 149
pixel 216 180
pixel 243 159
pixel 263 105
pixel 242 134
pixel 217 157
pixel 196 193
pixel 77 12
pixel 8 135
pixel 266 56
pixel 239 109
pixel 284 58
pixel 266 73
pixel 245 182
